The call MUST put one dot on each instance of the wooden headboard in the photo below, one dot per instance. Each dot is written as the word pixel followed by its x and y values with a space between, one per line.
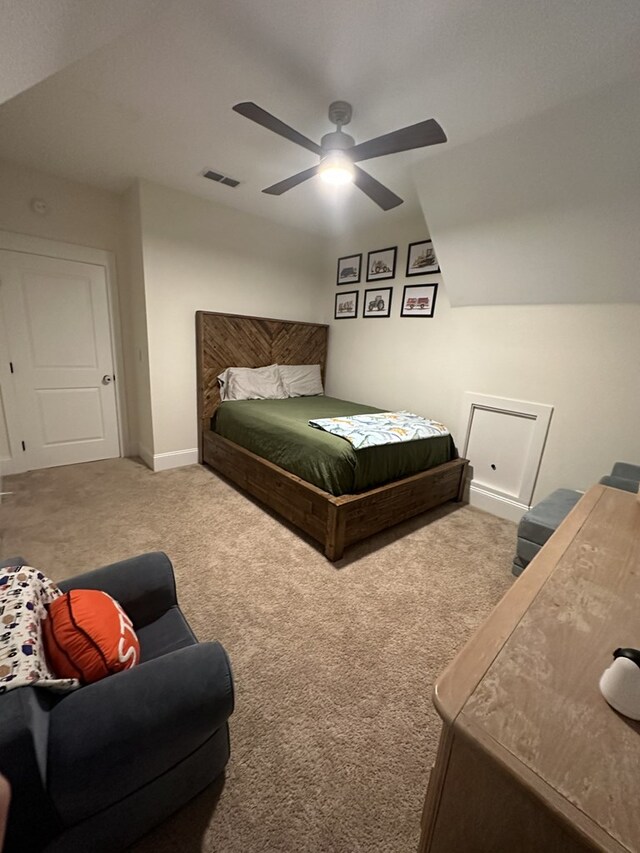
pixel 234 340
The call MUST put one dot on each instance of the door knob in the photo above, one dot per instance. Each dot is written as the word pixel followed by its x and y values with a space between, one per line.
pixel 106 379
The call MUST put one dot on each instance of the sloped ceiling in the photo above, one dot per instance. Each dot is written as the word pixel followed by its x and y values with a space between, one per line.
pixel 544 211
pixel 40 37
pixel 155 102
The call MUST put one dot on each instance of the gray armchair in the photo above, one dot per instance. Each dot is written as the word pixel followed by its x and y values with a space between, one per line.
pixel 623 476
pixel 97 768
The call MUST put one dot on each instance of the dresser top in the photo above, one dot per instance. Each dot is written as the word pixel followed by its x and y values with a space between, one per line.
pixel 526 686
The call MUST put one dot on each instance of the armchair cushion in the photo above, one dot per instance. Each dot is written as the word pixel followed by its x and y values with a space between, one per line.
pixel 167 634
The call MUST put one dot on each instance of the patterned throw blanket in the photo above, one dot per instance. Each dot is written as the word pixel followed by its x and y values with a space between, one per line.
pixel 380 428
pixel 24 595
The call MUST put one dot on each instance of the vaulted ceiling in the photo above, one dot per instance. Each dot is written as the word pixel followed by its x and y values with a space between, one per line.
pixel 146 88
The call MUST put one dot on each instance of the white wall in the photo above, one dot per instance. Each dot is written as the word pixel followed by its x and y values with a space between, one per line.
pixel 77 214
pixel 202 256
pixel 545 211
pixel 582 359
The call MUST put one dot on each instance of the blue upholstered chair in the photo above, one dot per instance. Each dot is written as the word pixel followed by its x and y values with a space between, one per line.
pixel 94 769
pixel 623 476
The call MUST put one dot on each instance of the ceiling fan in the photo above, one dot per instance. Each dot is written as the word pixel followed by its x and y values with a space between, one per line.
pixel 339 152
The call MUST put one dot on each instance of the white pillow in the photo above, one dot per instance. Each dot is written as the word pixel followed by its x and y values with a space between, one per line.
pixel 301 380
pixel 251 383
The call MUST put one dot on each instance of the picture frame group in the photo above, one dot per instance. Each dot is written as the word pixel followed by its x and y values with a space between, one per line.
pixel 418 300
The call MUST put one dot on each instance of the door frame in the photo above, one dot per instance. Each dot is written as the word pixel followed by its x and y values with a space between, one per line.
pixel 28 245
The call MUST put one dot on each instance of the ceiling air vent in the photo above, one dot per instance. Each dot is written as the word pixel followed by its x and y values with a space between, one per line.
pixel 221 179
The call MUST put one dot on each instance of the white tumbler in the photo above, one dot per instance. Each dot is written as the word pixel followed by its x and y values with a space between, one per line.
pixel 620 683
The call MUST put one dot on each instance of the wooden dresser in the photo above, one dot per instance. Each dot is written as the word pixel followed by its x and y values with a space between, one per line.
pixel 531 758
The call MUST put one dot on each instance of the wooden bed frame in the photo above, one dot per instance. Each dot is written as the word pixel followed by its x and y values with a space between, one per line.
pixel 235 340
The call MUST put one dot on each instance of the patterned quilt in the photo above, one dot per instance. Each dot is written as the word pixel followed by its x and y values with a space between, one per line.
pixel 381 428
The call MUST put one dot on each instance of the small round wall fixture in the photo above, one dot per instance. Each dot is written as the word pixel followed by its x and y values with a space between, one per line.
pixel 39 206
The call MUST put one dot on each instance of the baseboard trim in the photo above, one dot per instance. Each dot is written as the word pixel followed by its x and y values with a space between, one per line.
pixel 175 459
pixel 495 504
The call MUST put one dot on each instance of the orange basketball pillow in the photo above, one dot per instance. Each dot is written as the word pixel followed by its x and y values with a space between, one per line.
pixel 87 635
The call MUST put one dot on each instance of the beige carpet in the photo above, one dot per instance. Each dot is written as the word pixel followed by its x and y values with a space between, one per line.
pixel 334 732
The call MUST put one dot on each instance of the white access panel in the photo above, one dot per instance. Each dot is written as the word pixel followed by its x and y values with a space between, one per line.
pixel 499 448
pixel 504 443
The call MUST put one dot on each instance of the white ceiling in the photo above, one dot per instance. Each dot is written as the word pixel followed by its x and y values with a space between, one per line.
pixel 155 102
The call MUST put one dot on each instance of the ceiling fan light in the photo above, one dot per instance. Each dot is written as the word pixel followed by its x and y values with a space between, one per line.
pixel 336 169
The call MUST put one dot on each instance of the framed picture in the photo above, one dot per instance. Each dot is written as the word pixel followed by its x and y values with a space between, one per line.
pixel 346 305
pixel 421 258
pixel 419 300
pixel 381 264
pixel 349 269
pixel 377 303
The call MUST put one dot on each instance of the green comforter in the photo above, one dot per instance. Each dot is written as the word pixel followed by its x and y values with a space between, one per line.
pixel 278 430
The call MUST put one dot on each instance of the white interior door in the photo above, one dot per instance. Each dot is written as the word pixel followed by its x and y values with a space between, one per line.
pixel 56 315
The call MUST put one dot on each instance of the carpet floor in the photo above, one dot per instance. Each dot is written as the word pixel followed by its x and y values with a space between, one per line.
pixel 334 731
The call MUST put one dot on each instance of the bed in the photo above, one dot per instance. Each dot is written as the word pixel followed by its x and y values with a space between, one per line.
pixel 322 508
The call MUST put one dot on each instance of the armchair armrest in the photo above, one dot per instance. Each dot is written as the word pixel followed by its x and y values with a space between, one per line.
pixel 131 727
pixel 144 585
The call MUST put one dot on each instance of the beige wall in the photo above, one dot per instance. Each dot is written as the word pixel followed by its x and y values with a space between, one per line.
pixel 203 256
pixel 134 326
pixel 77 213
pixel 582 359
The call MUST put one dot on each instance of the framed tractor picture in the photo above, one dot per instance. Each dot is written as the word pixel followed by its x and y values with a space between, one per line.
pixel 381 264
pixel 421 258
pixel 377 303
pixel 419 300
pixel 349 269
pixel 346 305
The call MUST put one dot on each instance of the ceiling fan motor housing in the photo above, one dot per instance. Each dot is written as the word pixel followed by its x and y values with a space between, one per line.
pixel 336 141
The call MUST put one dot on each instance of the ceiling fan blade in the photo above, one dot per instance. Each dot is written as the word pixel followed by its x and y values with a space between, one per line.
pixel 293 181
pixel 418 135
pixel 252 111
pixel 375 190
